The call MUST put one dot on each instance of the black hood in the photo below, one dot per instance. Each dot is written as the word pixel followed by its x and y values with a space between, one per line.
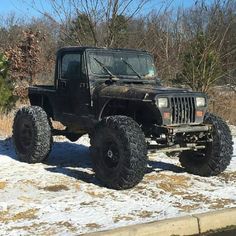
pixel 144 92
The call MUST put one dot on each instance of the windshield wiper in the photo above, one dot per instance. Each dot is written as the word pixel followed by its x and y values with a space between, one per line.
pixel 113 77
pixel 131 67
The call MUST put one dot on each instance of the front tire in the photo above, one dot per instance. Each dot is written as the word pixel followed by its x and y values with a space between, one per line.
pixel 216 157
pixel 32 137
pixel 119 152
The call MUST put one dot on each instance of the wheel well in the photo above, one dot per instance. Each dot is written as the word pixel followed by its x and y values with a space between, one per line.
pixel 143 113
pixel 42 101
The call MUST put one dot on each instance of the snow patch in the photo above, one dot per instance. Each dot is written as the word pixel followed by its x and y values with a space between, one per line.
pixel 63 197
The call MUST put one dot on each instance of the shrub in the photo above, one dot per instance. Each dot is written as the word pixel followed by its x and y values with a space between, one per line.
pixel 201 64
pixel 7 99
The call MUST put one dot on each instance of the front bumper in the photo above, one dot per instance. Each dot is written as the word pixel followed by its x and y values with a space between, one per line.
pixel 179 138
pixel 188 129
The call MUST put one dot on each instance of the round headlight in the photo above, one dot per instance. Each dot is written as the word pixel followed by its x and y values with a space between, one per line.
pixel 200 101
pixel 162 102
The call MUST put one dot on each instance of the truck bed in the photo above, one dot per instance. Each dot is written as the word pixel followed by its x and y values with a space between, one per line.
pixel 41 89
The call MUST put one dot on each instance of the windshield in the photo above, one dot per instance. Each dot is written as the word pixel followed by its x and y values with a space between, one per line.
pixel 121 64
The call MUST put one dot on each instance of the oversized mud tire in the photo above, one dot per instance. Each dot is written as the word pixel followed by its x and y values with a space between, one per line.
pixel 119 152
pixel 216 157
pixel 32 137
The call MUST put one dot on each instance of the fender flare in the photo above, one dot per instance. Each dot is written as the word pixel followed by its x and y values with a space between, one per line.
pixel 149 106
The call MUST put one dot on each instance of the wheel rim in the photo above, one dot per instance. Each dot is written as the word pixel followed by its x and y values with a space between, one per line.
pixel 24 139
pixel 111 155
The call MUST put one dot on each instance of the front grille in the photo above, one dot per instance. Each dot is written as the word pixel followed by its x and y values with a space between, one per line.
pixel 183 110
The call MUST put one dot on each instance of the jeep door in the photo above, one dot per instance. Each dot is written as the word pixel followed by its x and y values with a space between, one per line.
pixel 73 86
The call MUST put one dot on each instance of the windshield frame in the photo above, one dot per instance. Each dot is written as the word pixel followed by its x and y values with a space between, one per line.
pixel 123 77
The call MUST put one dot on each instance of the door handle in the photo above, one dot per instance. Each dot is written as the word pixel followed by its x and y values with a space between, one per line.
pixel 62 84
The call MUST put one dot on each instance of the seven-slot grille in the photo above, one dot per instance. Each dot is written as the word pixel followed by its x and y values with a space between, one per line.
pixel 183 110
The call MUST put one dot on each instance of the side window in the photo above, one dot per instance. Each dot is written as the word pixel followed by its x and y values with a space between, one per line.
pixel 71 66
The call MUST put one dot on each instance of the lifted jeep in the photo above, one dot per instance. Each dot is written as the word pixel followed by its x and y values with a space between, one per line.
pixel 114 95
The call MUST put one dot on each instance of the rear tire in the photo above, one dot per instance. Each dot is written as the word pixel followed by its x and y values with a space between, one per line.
pixel 32 137
pixel 216 157
pixel 119 152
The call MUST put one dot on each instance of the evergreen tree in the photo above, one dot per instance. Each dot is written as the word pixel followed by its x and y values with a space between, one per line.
pixel 7 99
pixel 119 31
pixel 81 31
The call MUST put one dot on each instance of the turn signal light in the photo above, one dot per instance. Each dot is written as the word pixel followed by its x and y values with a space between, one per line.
pixel 199 113
pixel 166 115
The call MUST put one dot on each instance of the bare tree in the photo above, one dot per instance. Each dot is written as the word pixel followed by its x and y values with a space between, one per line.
pixel 10 30
pixel 170 34
pixel 205 34
pixel 98 14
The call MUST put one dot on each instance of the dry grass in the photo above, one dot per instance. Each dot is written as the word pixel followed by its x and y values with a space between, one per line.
pixel 24 215
pixel 95 194
pixel 3 184
pixel 93 226
pixel 174 184
pixel 87 203
pixel 35 229
pixel 145 214
pixel 186 208
pixel 200 199
pixel 29 214
pixel 55 188
pixel 122 218
pixel 228 176
pixel 223 103
pixel 221 203
pixel 67 225
pixel 6 124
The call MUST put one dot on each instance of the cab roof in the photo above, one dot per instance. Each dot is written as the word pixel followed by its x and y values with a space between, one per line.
pixel 77 48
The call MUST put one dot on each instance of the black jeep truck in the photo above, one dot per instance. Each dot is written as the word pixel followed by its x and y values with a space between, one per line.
pixel 114 95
